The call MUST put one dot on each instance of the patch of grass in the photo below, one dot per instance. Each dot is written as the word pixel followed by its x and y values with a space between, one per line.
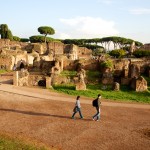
pixel 68 73
pixel 3 71
pixel 7 143
pixel 147 79
pixel 92 91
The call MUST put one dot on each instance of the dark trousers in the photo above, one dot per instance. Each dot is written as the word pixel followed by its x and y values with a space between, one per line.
pixel 97 115
pixel 77 110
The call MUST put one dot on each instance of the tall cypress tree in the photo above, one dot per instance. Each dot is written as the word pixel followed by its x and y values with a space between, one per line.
pixel 5 32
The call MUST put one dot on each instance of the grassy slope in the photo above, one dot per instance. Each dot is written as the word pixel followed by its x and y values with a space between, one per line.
pixel 93 90
pixel 125 94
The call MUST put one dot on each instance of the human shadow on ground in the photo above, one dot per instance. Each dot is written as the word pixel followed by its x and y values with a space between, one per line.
pixel 37 113
pixel 32 113
pixel 7 81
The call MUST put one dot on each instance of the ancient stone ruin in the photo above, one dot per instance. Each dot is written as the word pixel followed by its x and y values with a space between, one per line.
pixel 80 84
pixel 43 66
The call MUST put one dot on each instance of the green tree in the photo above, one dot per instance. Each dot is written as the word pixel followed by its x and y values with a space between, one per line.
pixel 3 30
pixel 40 39
pixel 117 53
pixel 46 31
pixel 24 40
pixel 16 38
pixel 9 35
pixel 141 53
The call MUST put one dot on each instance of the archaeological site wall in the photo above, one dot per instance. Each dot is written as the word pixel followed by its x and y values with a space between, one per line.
pixel 146 46
pixel 7 62
pixel 56 47
pixel 86 64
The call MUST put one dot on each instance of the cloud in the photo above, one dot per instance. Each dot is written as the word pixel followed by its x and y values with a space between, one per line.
pixel 62 35
pixel 140 11
pixel 107 2
pixel 89 27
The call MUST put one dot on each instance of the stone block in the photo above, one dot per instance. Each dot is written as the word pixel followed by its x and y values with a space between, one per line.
pixel 107 81
pixel 48 82
pixel 116 86
pixel 15 78
pixel 80 86
pixel 139 84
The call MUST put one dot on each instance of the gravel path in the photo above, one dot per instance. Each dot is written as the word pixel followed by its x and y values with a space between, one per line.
pixel 42 116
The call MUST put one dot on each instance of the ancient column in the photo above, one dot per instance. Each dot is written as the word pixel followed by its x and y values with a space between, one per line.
pixel 15 78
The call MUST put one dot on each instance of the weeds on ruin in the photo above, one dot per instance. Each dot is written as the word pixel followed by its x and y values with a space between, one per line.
pixel 3 71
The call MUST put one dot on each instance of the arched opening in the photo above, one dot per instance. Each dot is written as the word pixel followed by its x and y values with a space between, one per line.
pixel 42 83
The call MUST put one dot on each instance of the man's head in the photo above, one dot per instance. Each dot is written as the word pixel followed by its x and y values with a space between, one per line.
pixel 99 95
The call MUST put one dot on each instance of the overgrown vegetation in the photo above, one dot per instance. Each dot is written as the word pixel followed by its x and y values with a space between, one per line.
pixel 141 53
pixel 40 38
pixel 118 53
pixel 7 143
pixel 92 76
pixel 3 71
pixel 125 94
pixel 16 38
pixel 68 73
pixel 107 64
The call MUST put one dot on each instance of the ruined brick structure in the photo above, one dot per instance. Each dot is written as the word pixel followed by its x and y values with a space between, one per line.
pixel 146 46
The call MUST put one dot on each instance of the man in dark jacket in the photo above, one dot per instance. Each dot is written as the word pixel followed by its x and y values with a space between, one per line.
pixel 96 117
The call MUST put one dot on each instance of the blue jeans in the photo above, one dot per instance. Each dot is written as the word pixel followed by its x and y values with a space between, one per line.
pixel 77 110
pixel 97 115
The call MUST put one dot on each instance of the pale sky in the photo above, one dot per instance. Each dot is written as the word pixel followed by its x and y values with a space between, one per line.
pixel 78 18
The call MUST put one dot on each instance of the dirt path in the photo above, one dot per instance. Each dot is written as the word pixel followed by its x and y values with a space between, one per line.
pixel 44 116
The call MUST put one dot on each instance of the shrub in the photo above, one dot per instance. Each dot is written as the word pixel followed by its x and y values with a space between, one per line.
pixel 16 38
pixel 40 38
pixel 24 40
pixel 107 64
pixel 141 53
pixel 117 53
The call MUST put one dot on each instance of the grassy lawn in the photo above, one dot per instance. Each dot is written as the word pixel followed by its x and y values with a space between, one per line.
pixel 92 91
pixel 68 73
pixel 15 144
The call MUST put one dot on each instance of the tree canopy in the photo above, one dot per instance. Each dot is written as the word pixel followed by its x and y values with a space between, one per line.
pixel 46 31
pixel 5 32
pixel 40 38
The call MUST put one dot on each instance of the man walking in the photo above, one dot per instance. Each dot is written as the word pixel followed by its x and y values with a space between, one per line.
pixel 96 103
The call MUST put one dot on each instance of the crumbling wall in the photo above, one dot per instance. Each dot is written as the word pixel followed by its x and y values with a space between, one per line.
pixel 84 52
pixel 39 47
pixel 4 43
pixel 86 64
pixel 57 47
pixel 7 62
